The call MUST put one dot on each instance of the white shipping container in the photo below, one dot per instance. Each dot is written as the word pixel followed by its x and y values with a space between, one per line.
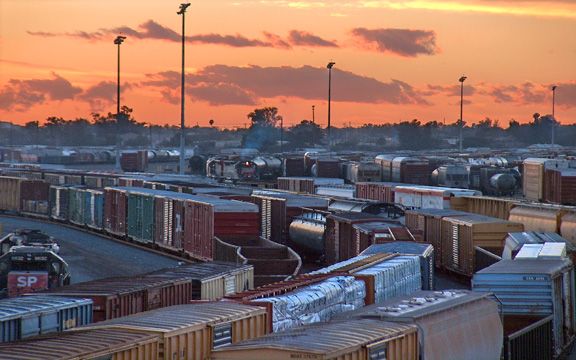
pixel 428 197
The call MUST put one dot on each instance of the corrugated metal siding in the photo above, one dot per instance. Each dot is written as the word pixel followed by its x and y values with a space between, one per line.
pixel 10 193
pixel 192 331
pixel 140 219
pixel 536 219
pixel 568 227
pixel 533 287
pixel 336 340
pixel 461 234
pixel 96 344
pixel 28 316
pixel 533 179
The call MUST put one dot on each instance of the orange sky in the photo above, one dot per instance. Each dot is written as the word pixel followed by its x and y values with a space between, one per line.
pixel 395 60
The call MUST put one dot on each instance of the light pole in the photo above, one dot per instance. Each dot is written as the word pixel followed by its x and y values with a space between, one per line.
pixel 462 79
pixel 329 66
pixel 118 41
pixel 313 117
pixel 150 136
pixel 182 12
pixel 281 134
pixel 553 113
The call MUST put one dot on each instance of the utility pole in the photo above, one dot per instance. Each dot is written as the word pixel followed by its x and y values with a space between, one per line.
pixel 553 114
pixel 118 41
pixel 182 12
pixel 462 79
pixel 329 66
pixel 281 134
pixel 313 117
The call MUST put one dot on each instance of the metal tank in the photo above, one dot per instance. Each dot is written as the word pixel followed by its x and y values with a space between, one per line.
pixel 307 231
pixel 498 181
pixel 267 167
pixel 503 182
pixel 197 164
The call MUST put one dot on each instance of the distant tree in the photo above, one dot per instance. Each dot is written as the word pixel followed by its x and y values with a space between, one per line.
pixel 262 133
pixel 305 134
pixel 267 116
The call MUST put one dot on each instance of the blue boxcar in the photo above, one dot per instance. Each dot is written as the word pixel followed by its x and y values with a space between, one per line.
pixel 27 316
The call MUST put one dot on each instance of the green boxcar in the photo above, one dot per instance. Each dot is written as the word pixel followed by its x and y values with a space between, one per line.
pixel 76 204
pixel 141 217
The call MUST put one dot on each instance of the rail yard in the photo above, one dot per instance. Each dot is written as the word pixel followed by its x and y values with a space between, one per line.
pixel 254 254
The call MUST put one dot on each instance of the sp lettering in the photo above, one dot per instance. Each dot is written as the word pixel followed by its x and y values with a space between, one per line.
pixel 26 281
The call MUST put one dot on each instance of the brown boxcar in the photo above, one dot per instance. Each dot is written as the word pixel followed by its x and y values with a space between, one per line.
pixel 460 234
pixel 306 185
pixel 537 218
pixel 378 232
pixel 568 227
pixel 191 332
pixel 326 168
pixel 15 193
pixel 294 166
pixel 122 296
pixel 560 186
pixel 485 205
pixel 352 340
pixel 427 224
pixel 340 243
pixel 411 170
pixel 379 191
pixel 277 210
pixel 116 344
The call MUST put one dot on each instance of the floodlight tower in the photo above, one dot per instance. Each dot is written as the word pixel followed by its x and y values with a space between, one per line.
pixel 182 11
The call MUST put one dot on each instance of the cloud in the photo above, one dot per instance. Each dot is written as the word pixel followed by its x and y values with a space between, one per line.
pixel 234 85
pixel 153 30
pixel 102 94
pixel 78 34
pixel 450 90
pixel 303 38
pixel 566 94
pixel 19 95
pixel 526 93
pixel 402 42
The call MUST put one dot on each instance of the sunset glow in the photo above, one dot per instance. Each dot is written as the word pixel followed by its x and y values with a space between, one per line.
pixel 395 60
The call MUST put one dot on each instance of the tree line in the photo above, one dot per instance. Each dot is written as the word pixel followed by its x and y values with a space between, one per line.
pixel 268 133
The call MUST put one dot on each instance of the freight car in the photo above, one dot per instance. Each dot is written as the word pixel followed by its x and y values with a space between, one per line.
pixel 267 167
pixel 197 164
pixel 454 176
pixel 354 172
pixel 235 168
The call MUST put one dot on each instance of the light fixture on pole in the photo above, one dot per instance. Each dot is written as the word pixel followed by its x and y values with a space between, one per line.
pixel 182 11
pixel 313 115
pixel 118 41
pixel 461 80
pixel 329 67
pixel 553 114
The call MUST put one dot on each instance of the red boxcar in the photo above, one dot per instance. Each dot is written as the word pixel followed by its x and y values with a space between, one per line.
pixel 379 191
pixel 115 210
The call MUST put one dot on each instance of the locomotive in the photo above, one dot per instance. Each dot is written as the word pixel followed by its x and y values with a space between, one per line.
pixel 235 168
pixel 27 269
